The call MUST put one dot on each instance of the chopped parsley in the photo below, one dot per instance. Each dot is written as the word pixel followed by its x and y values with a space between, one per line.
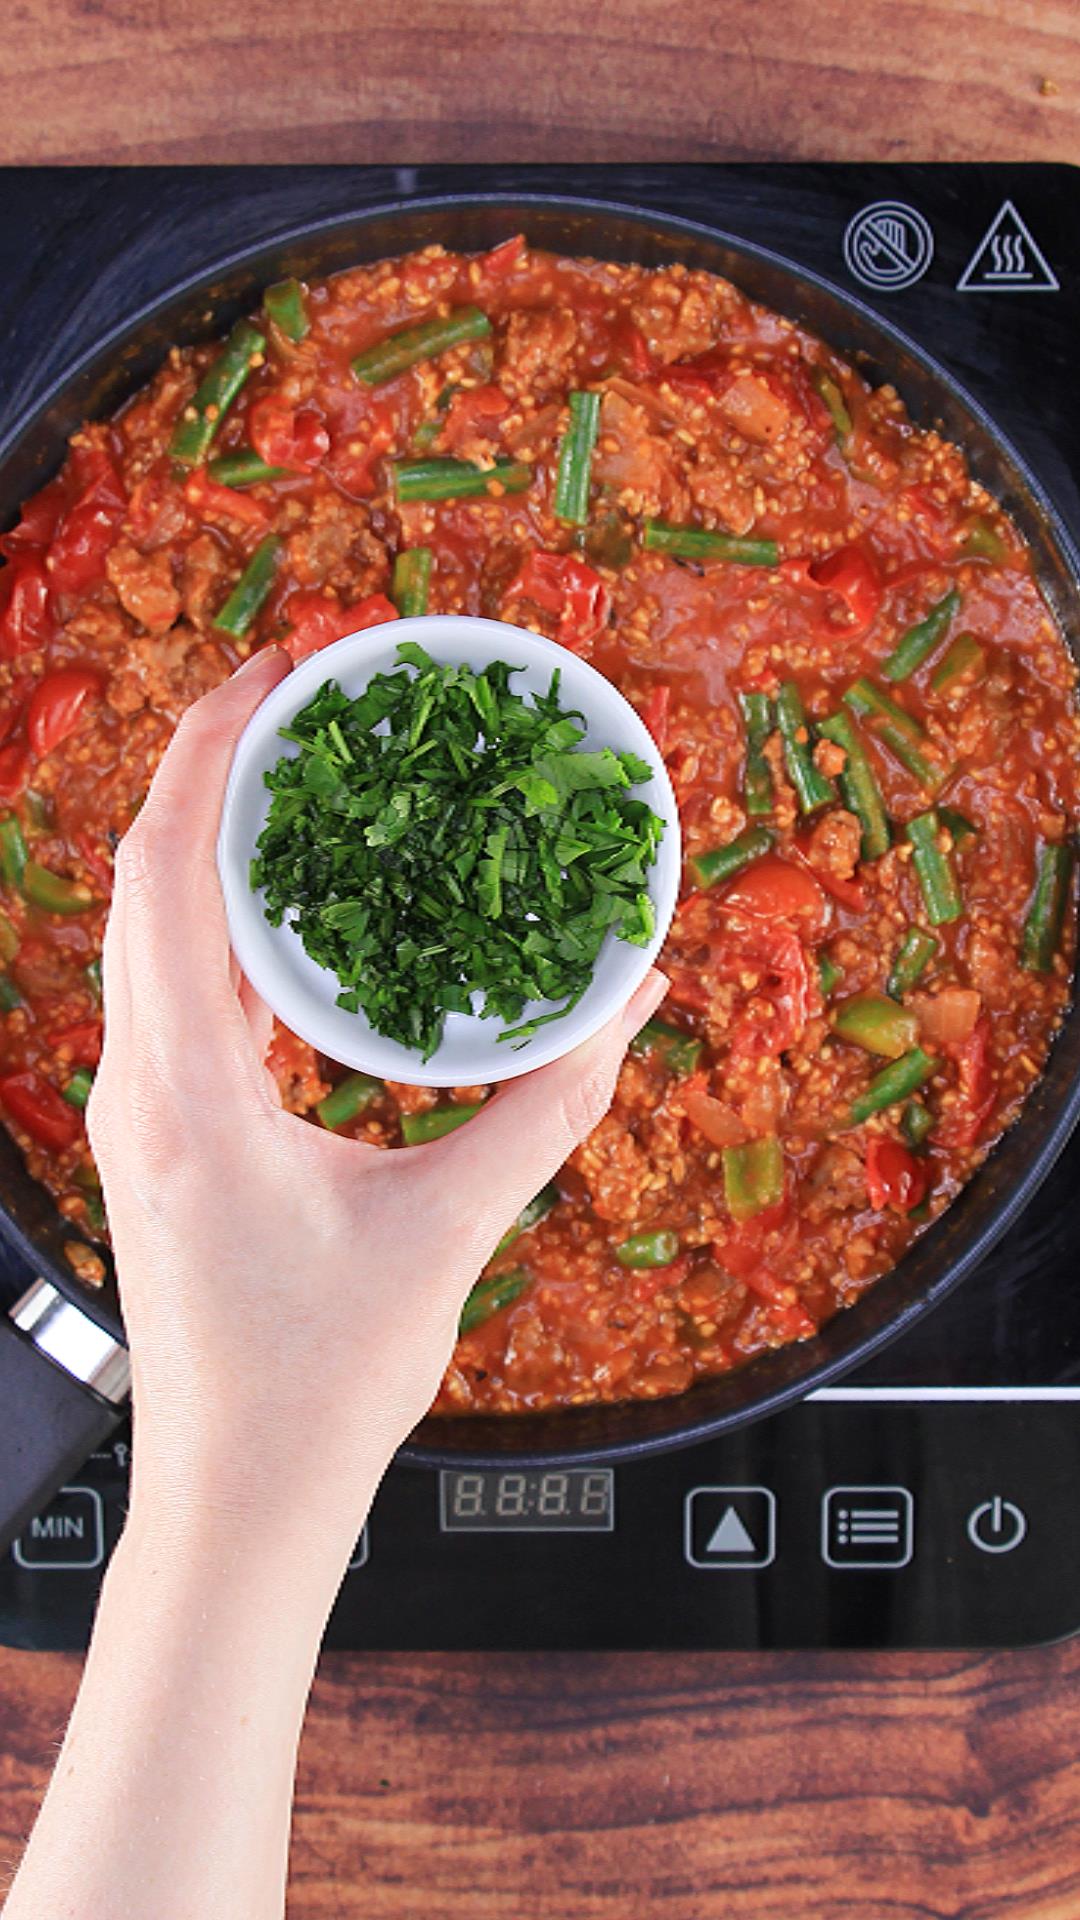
pixel 445 845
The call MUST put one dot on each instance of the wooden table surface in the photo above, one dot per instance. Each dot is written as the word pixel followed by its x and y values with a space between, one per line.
pixel 514 1787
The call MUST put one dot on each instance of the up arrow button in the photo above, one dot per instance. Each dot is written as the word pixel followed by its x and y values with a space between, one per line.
pixel 730 1528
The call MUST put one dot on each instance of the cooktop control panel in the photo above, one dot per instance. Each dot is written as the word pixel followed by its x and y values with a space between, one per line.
pixel 934 1499
pixel 886 1519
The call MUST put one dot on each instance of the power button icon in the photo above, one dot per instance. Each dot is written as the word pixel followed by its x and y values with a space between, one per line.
pixel 997 1526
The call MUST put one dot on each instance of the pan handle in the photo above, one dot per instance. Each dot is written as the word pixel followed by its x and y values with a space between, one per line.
pixel 64 1383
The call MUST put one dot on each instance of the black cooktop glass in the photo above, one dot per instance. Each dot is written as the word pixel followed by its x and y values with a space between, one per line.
pixel 931 1499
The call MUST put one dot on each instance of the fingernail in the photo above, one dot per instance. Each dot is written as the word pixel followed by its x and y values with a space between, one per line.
pixel 259 659
pixel 645 1001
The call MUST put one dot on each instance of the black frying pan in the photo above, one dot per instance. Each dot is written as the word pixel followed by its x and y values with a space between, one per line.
pixel 52 1421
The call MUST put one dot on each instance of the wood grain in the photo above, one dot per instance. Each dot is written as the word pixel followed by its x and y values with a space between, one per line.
pixel 364 80
pixel 541 1787
pixel 699 1787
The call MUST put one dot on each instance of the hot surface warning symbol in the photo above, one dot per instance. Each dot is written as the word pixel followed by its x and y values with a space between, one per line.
pixel 1008 260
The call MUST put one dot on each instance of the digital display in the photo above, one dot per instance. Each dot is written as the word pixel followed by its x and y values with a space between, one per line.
pixel 559 1500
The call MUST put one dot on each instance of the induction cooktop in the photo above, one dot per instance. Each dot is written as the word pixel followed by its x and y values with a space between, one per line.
pixel 932 1499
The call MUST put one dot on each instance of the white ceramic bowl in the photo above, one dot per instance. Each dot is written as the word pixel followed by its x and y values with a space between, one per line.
pixel 303 993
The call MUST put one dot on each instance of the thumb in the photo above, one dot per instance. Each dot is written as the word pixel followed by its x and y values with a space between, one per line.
pixel 520 1139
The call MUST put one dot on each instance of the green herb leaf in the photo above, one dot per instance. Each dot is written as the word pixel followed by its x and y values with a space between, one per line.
pixel 442 843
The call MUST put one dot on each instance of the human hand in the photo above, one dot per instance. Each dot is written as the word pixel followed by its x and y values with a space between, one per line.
pixel 291 1297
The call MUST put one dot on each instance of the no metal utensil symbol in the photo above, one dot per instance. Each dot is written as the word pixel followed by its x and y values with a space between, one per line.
pixel 888 246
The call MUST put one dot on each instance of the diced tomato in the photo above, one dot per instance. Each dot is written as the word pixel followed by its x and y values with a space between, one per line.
pixel 76 557
pixel 850 573
pixel 977 1089
pixel 318 620
pixel 894 1178
pixel 785 995
pixel 758 1251
pixel 503 258
pixel 215 502
pixel 25 619
pixel 562 584
pixel 13 705
pixel 57 705
pixel 81 1042
pixel 36 1106
pixel 630 349
pixel 37 522
pixel 777 889
pixel 849 893
pixel 285 436
pixel 708 373
pixel 687 990
pixel 655 713
pixel 15 763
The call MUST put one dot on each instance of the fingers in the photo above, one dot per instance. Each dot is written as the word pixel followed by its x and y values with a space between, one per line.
pixel 516 1143
pixel 257 1014
pixel 167 927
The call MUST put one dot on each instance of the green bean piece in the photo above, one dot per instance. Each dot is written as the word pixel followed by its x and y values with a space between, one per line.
pixel 40 814
pixel 412 581
pixel 859 787
pixel 701 543
pixel 657 1249
pixel 963 662
pixel 916 1123
pixel 678 1050
pixel 916 951
pixel 894 1083
pixel 9 939
pixel 10 997
pixel 960 827
pixel 918 643
pixel 491 1295
pixel 983 541
pixel 457 479
pixel 13 850
pixel 53 893
pixel 77 1091
pixel 95 1211
pixel 92 976
pixel 1046 915
pixel 723 863
pixel 936 878
pixel 574 475
pixel 811 786
pixel 538 1207
pixel 753 1177
pixel 399 351
pixel 250 590
pixel 897 730
pixel 759 720
pixel 876 1023
pixel 285 305
pixel 349 1098
pixel 873 705
pixel 830 393
pixel 427 432
pixel 829 975
pixel 418 1128
pixel 214 395
pixel 242 469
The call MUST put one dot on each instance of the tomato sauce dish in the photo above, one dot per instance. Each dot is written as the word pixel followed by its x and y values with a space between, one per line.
pixel 835 638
